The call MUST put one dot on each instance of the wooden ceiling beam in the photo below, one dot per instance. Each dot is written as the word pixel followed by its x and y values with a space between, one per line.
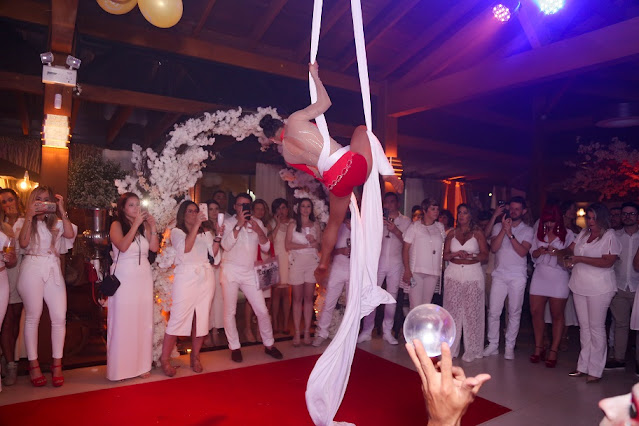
pixel 118 120
pixel 63 17
pixel 483 115
pixel 328 22
pixel 203 18
pixel 111 28
pixel 429 34
pixel 23 112
pixel 155 132
pixel 526 21
pixel 613 44
pixel 380 25
pixel 608 91
pixel 266 21
pixel 557 126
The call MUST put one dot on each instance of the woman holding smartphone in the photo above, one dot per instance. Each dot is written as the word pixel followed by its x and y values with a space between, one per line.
pixel 44 236
pixel 303 242
pixel 130 314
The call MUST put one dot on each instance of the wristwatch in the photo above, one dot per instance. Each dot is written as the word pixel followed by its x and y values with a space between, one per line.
pixel 512 237
pixel 237 228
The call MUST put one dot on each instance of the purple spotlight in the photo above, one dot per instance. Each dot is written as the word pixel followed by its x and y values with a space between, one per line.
pixel 549 7
pixel 501 13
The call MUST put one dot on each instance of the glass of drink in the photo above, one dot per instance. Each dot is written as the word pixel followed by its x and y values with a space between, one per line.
pixel 9 248
pixel 220 222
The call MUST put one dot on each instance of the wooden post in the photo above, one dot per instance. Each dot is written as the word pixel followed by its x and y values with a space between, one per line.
pixel 386 127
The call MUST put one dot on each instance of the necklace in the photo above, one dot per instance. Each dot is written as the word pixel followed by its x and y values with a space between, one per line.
pixel 430 236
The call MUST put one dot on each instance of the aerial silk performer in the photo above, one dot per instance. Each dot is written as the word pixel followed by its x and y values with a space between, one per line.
pixel 310 148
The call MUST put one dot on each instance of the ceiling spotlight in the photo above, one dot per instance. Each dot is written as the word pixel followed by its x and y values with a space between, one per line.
pixel 549 7
pixel 73 62
pixel 501 12
pixel 46 58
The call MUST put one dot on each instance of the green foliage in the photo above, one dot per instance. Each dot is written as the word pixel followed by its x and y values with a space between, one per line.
pixel 91 182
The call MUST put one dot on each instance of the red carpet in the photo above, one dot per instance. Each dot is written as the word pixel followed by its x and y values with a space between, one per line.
pixel 269 394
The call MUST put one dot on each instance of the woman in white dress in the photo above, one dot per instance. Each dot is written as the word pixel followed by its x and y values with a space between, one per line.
pixel 465 248
pixel 10 212
pixel 216 315
pixel 282 291
pixel 593 283
pixel 549 283
pixel 193 284
pixel 130 309
pixel 303 242
pixel 422 254
pixel 7 260
pixel 43 238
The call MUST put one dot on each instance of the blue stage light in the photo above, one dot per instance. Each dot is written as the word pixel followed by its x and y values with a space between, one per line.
pixel 549 7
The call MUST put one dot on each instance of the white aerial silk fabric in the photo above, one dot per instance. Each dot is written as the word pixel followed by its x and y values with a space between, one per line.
pixel 329 378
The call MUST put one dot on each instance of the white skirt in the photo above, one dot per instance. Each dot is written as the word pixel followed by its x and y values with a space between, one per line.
pixel 192 293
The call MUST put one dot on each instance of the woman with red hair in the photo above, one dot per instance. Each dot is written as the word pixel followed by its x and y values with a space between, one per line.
pixel 549 281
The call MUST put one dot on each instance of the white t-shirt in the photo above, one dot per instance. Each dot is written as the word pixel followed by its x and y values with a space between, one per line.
pixel 427 245
pixel 588 280
pixel 391 253
pixel 627 277
pixel 507 261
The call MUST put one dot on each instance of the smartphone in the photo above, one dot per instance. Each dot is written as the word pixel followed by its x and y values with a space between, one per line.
pixel 501 202
pixel 204 208
pixel 386 213
pixel 246 207
pixel 46 207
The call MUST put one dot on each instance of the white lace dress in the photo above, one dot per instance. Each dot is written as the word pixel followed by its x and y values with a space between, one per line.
pixel 464 299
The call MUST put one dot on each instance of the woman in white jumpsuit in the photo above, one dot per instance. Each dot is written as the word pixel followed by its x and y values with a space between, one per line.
pixel 130 309
pixel 44 237
pixel 193 284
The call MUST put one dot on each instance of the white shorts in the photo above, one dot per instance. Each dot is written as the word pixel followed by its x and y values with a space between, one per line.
pixel 302 267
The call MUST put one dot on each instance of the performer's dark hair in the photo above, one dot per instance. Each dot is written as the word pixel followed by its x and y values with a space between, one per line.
pixel 270 125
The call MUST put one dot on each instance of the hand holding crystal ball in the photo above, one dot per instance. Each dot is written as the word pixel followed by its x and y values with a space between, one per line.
pixel 432 325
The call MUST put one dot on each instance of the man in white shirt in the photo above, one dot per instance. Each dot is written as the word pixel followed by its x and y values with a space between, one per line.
pixel 242 236
pixel 338 279
pixel 511 240
pixel 391 267
pixel 627 280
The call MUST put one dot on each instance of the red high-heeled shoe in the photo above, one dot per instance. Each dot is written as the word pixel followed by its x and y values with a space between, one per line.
pixel 56 380
pixel 39 381
pixel 552 363
pixel 536 358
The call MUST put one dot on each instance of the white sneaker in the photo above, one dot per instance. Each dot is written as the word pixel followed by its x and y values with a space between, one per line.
pixel 491 349
pixel 364 337
pixel 390 339
pixel 509 353
pixel 318 340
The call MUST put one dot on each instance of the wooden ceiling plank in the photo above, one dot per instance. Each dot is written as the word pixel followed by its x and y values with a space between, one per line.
pixel 525 20
pixel 267 20
pixel 328 21
pixel 612 44
pixel 483 115
pixel 380 25
pixel 153 134
pixel 110 28
pixel 203 18
pixel 427 36
pixel 63 17
pixel 23 112
pixel 118 120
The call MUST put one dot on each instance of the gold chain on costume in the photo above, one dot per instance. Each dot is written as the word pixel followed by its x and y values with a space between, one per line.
pixel 339 177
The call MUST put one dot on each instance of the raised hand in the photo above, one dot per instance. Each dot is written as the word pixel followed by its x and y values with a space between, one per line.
pixel 60 204
pixel 398 184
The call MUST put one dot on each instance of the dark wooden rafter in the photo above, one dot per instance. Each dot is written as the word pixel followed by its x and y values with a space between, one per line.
pixel 487 116
pixel 23 112
pixel 110 28
pixel 427 36
pixel 117 121
pixel 156 130
pixel 328 21
pixel 526 21
pixel 266 21
pixel 607 45
pixel 203 18
pixel 379 26
pixel 63 17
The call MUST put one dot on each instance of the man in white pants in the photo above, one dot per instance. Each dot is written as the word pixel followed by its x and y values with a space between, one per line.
pixel 627 281
pixel 511 240
pixel 338 279
pixel 391 267
pixel 242 236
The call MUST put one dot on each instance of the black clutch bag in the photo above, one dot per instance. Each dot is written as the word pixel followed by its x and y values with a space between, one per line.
pixel 110 283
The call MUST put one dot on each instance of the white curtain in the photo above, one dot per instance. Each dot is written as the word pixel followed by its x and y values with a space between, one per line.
pixel 268 184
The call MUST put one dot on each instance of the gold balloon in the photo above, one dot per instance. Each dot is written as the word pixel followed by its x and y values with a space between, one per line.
pixel 161 13
pixel 117 7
